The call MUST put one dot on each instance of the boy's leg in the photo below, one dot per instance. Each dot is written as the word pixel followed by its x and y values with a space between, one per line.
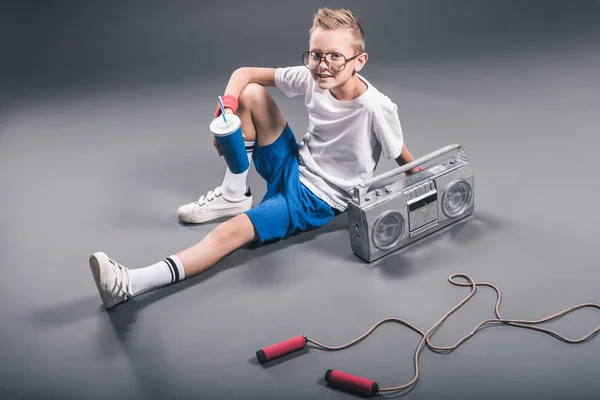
pixel 262 122
pixel 261 118
pixel 117 283
pixel 221 241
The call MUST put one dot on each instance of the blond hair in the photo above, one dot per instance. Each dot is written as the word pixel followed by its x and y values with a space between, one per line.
pixel 340 18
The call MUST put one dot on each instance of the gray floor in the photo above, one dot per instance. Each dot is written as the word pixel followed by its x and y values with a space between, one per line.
pixel 106 169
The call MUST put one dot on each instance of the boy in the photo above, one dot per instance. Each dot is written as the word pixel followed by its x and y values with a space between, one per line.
pixel 350 125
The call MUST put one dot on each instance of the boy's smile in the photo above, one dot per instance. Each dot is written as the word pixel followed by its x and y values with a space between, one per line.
pixel 323 77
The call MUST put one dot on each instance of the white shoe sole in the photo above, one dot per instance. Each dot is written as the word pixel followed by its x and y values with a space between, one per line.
pixel 209 216
pixel 99 274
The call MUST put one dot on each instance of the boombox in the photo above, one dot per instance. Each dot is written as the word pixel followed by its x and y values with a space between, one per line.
pixel 392 210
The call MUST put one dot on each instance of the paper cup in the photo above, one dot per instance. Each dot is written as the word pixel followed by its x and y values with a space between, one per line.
pixel 231 142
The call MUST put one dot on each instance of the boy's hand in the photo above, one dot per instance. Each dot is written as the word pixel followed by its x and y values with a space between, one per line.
pixel 413 170
pixel 217 146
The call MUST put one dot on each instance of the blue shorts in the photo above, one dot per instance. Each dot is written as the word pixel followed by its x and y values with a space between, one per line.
pixel 288 207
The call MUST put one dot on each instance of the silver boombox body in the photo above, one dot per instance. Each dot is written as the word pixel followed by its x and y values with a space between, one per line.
pixel 392 210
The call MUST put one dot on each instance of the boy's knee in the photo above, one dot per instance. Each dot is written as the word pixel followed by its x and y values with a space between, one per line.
pixel 261 118
pixel 236 230
pixel 252 93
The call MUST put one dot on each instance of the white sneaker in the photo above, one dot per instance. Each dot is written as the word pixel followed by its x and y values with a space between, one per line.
pixel 215 204
pixel 112 280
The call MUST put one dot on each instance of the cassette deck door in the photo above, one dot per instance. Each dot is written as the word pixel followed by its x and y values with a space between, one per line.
pixel 422 203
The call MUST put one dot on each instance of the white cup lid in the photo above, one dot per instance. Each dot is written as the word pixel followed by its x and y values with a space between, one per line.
pixel 219 127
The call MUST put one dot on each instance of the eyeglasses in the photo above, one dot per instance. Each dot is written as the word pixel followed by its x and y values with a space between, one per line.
pixel 335 61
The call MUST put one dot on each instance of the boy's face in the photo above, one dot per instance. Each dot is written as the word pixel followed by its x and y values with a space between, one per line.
pixel 338 42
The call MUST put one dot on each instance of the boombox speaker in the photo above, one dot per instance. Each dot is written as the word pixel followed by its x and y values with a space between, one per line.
pixel 392 210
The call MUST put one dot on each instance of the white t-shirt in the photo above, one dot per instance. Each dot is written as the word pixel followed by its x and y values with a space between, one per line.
pixel 345 139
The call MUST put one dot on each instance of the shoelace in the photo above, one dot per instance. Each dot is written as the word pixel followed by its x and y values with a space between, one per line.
pixel 210 196
pixel 122 275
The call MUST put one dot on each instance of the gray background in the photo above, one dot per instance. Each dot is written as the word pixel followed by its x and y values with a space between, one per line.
pixel 104 113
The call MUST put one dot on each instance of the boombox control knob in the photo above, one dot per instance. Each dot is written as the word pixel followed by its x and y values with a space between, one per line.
pixel 388 189
pixel 378 193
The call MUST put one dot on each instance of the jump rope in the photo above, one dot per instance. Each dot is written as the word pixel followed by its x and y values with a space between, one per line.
pixel 367 387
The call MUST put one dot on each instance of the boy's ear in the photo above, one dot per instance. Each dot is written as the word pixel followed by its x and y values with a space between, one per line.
pixel 361 61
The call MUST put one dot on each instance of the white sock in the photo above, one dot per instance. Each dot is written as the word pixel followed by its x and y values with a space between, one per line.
pixel 165 272
pixel 234 185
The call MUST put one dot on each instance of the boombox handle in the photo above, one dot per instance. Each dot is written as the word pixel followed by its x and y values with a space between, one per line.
pixel 454 150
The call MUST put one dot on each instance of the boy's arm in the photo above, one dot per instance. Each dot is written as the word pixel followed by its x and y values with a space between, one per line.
pixel 245 75
pixel 404 158
pixel 388 131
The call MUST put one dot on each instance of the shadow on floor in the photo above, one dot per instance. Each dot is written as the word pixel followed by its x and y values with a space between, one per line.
pixel 447 242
